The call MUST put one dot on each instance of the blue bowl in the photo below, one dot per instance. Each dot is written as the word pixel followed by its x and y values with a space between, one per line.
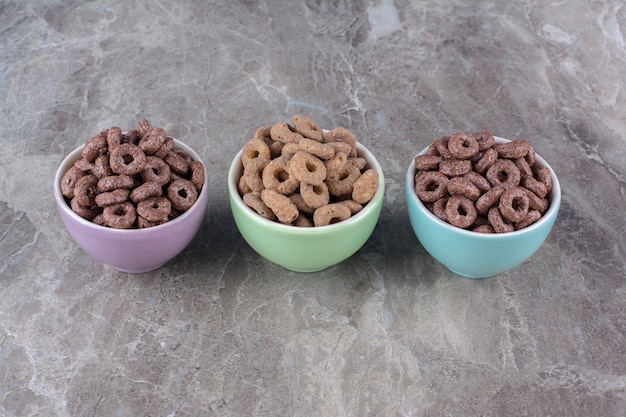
pixel 472 254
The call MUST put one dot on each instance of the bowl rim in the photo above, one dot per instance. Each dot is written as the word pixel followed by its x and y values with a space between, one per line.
pixel 75 154
pixel 555 202
pixel 236 167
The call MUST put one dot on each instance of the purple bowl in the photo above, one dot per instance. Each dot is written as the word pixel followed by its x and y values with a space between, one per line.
pixel 132 250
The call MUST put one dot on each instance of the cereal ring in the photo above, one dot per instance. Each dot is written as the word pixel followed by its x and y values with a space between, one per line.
pixel 276 148
pixel 86 212
pixel 155 209
pixel 99 220
pixel 321 150
pixel 314 196
pixel 133 137
pixel 289 149
pixel 307 168
pixel 68 181
pixel 340 147
pixel 307 128
pixel 489 158
pixel 514 204
pixel 330 214
pixel 301 204
pixel 530 156
pixel 243 187
pixel 263 133
pixel 156 170
pixel 524 167
pixel 341 134
pixel 114 182
pixel 101 167
pixel 143 223
pixel 146 190
pixel 504 172
pixel 499 224
pixel 182 194
pixel 430 186
pixel 253 201
pixel 252 173
pixel 85 166
pixel 489 199
pixel 460 211
pixel 114 138
pixel 537 203
pixel 535 186
pixel 485 140
pixel 144 127
pixel 462 146
pixel 531 217
pixel 455 167
pixel 255 149
pixel 127 159
pixel 512 150
pixel 284 209
pixel 95 147
pixel 276 176
pixel 427 162
pixel 544 176
pixel 484 228
pixel 282 132
pixel 167 146
pixel 365 186
pixel 343 183
pixel 120 216
pixel 352 205
pixel 441 146
pixel 112 197
pixel 177 162
pixel 478 180
pixel 464 187
pixel 336 164
pixel 197 174
pixel 85 190
pixel 303 221
pixel 439 208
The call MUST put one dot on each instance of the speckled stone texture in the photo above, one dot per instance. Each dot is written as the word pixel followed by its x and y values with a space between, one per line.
pixel 219 331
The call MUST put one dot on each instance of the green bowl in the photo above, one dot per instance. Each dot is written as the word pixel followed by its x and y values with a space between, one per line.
pixel 305 249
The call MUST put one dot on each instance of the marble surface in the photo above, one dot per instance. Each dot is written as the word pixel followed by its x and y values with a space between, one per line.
pixel 219 331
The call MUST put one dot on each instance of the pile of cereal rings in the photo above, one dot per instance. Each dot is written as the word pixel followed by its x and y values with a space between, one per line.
pixel 132 180
pixel 304 176
pixel 474 183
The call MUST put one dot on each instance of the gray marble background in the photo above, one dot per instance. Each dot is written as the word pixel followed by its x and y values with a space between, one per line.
pixel 219 331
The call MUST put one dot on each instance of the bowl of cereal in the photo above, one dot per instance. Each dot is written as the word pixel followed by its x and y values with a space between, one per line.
pixel 480 204
pixel 132 200
pixel 305 198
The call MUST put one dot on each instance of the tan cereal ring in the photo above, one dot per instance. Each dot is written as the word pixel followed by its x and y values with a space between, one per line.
pixel 499 224
pixel 330 214
pixel 455 167
pixel 254 149
pixel 253 200
pixel 335 165
pixel 314 196
pixel 127 159
pixel 85 190
pixel 289 149
pixel 156 170
pixel 112 197
pixel 120 216
pixel 297 199
pixel 430 186
pixel 341 134
pixel 182 194
pixel 307 168
pixel 282 132
pixel 463 186
pixel 514 204
pixel 460 211
pixel 263 133
pixel 284 209
pixel 146 190
pixel 276 176
pixel 303 221
pixel 343 183
pixel 352 205
pixel 462 146
pixel 155 209
pixel 305 126
pixel 68 181
pixel 365 186
pixel 504 172
pixel 340 147
pixel 322 150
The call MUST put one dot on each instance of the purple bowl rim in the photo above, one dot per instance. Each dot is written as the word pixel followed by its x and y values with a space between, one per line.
pixel 555 194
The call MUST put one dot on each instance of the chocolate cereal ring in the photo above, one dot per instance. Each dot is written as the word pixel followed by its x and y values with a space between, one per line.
pixel 145 191
pixel 155 209
pixel 85 190
pixel 144 127
pixel 101 167
pixel 114 138
pixel 499 224
pixel 514 204
pixel 512 150
pixel 305 126
pixel 365 187
pixel 489 158
pixel 524 167
pixel 455 167
pixel 112 197
pixel 535 202
pixel 485 140
pixel 197 174
pixel 114 182
pixel 439 208
pixel 430 186
pixel 284 209
pixel 462 146
pixel 544 176
pixel 489 199
pixel 276 176
pixel 177 162
pixel 463 186
pixel 86 212
pixel 531 217
pixel 120 216
pixel 253 200
pixel 85 166
pixel 427 162
pixel 68 181
pixel 127 159
pixel 460 211
pixel 156 170
pixel 441 147
pixel 478 180
pixel 95 147
pixel 152 142
pixel 505 173
pixel 483 228
pixel 307 168
pixel 182 194
pixel 314 196
pixel 330 214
